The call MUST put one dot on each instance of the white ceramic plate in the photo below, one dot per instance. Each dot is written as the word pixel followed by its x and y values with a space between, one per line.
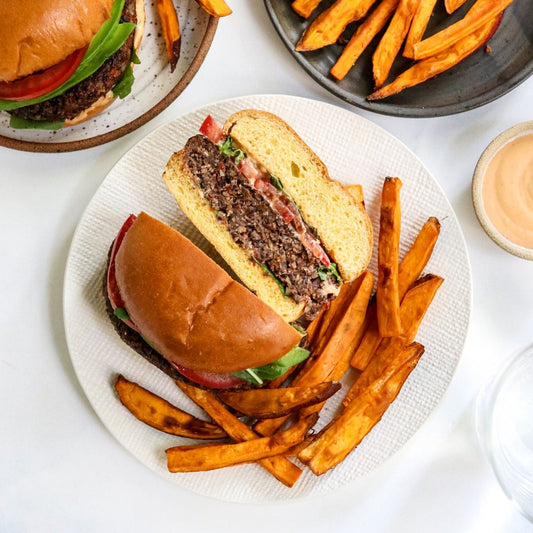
pixel 355 151
pixel 154 89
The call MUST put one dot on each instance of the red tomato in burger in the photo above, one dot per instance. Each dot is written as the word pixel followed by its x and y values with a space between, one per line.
pixel 212 130
pixel 113 292
pixel 210 379
pixel 43 82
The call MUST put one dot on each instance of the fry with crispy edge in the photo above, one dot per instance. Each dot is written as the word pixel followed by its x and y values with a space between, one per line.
pixel 171 30
pixel 414 261
pixel 280 467
pixel 445 60
pixel 330 24
pixel 160 414
pixel 480 15
pixel 201 458
pixel 452 5
pixel 391 42
pixel 326 363
pixel 215 8
pixel 364 35
pixel 340 437
pixel 418 26
pixel 413 308
pixel 273 403
pixel 387 295
pixel 305 8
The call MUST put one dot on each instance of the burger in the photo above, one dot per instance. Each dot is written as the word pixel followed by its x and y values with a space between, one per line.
pixel 265 200
pixel 64 61
pixel 177 308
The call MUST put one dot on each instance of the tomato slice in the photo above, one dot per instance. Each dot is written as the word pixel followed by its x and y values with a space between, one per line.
pixel 210 379
pixel 43 82
pixel 212 130
pixel 113 292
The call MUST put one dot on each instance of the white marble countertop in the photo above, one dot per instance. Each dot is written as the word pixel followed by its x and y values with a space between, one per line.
pixel 60 468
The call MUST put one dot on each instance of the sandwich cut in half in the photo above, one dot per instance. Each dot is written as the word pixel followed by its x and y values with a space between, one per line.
pixel 265 200
pixel 64 61
pixel 175 306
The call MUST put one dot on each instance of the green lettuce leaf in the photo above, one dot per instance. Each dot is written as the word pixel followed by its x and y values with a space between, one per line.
pixel 228 148
pixel 28 124
pixel 273 370
pixel 323 272
pixel 109 38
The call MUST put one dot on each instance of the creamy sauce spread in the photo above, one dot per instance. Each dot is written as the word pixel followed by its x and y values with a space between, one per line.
pixel 508 190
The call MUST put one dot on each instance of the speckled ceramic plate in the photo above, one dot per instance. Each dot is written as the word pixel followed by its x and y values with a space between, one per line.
pixel 479 79
pixel 154 89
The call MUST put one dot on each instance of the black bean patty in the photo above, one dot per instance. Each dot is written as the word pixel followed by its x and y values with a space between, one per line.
pixel 80 97
pixel 256 227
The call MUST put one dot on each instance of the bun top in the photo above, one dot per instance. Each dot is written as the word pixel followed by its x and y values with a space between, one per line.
pixel 189 308
pixel 37 35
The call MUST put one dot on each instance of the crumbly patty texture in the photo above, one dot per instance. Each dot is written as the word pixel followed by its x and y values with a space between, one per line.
pixel 256 227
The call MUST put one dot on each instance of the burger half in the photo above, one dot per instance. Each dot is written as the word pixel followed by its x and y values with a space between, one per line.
pixel 177 308
pixel 266 202
pixel 64 61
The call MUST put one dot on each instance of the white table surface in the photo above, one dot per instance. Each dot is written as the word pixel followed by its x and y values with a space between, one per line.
pixel 60 470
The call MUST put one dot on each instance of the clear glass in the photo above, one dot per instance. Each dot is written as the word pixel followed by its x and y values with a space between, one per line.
pixel 505 428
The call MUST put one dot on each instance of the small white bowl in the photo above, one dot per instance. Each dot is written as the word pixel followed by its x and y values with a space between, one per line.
pixel 518 130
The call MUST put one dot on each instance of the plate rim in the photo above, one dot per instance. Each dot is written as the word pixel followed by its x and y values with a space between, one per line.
pixel 103 138
pixel 394 110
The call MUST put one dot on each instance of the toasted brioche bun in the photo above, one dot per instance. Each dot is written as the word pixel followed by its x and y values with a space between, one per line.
pixel 343 224
pixel 35 35
pixel 188 307
pixel 105 101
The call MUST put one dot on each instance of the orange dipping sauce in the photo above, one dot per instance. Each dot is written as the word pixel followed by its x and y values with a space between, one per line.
pixel 508 190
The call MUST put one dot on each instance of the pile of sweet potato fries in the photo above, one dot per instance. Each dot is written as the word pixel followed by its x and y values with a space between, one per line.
pixel 370 340
pixel 408 23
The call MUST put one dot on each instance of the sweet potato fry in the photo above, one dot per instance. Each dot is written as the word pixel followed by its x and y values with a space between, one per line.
pixel 445 60
pixel 305 8
pixel 333 315
pixel 339 438
pixel 414 261
pixel 341 339
pixel 387 296
pixel 418 25
pixel 356 191
pixel 201 458
pixel 160 414
pixel 215 8
pixel 329 25
pixel 313 329
pixel 391 42
pixel 324 364
pixel 413 308
pixel 479 15
pixel 364 35
pixel 452 5
pixel 280 467
pixel 273 403
pixel 418 255
pixel 171 30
